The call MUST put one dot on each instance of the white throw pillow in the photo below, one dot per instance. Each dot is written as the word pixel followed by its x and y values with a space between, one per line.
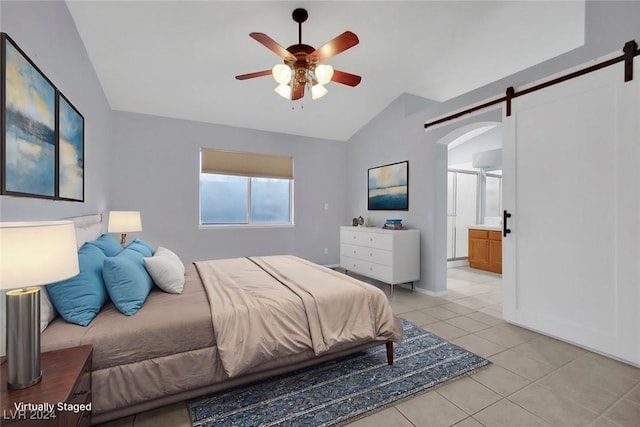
pixel 167 270
pixel 166 252
pixel 47 310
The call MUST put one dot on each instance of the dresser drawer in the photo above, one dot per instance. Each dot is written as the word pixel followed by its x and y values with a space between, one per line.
pixel 348 236
pixel 79 399
pixel 82 391
pixel 363 238
pixel 478 234
pixel 378 256
pixel 383 273
pixel 352 251
pixel 352 264
pixel 377 240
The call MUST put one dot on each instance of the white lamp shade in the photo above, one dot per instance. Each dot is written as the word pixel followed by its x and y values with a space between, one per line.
pixel 37 253
pixel 281 73
pixel 124 221
pixel 318 91
pixel 324 73
pixel 284 91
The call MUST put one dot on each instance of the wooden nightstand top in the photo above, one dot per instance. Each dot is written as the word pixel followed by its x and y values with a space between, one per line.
pixel 61 370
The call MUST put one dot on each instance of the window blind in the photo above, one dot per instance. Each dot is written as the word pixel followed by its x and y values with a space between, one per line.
pixel 246 164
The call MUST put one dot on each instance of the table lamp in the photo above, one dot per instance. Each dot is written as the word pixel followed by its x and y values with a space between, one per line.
pixel 124 222
pixel 31 254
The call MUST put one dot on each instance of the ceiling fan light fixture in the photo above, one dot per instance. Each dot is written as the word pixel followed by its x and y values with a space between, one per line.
pixel 281 73
pixel 301 68
pixel 318 91
pixel 284 90
pixel 324 73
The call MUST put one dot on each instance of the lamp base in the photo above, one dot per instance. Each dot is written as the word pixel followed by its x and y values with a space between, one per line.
pixel 23 338
pixel 25 385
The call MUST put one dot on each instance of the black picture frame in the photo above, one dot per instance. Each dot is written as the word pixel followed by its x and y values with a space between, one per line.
pixel 29 126
pixel 388 187
pixel 70 157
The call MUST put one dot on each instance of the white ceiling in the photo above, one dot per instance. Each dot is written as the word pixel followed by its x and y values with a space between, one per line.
pixel 179 58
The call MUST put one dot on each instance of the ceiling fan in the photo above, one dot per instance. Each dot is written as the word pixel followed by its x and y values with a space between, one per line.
pixel 302 63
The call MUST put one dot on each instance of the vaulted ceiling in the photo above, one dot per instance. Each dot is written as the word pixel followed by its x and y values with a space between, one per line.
pixel 178 58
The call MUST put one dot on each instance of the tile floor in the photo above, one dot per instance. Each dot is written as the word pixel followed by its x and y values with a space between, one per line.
pixel 533 381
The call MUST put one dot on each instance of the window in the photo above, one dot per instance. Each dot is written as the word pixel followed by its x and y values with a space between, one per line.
pixel 245 188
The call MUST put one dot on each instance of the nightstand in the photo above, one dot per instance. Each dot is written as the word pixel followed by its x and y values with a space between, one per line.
pixel 62 398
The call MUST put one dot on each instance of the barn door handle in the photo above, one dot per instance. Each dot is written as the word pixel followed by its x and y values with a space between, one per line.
pixel 505 230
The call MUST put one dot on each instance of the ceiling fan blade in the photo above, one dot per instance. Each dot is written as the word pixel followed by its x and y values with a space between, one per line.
pixel 254 75
pixel 346 78
pixel 330 49
pixel 298 92
pixel 272 45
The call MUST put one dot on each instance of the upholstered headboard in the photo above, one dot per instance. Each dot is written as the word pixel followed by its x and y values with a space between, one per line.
pixel 88 227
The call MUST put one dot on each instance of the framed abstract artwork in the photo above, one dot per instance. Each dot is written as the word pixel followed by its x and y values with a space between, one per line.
pixel 28 126
pixel 70 151
pixel 388 187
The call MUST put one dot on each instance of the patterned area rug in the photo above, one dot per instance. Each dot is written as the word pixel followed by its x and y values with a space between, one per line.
pixel 339 392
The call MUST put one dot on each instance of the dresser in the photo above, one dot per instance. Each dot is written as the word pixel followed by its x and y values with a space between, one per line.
pixel 390 256
pixel 61 399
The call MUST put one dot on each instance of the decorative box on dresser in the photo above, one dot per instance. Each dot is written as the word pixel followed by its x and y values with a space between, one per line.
pixel 62 398
pixel 390 256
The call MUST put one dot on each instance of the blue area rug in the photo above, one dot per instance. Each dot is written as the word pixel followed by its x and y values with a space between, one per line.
pixel 339 392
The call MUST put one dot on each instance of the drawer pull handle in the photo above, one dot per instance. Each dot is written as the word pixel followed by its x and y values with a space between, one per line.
pixel 80 393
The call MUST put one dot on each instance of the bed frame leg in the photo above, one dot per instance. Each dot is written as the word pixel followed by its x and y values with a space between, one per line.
pixel 390 352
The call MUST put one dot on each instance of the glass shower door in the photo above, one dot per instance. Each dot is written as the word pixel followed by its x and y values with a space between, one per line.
pixel 462 211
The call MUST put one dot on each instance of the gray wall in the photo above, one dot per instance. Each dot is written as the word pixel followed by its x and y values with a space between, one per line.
pixel 46 32
pixel 150 164
pixel 395 135
pixel 156 171
pixel 463 153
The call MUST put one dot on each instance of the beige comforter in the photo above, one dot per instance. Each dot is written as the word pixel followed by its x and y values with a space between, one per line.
pixel 264 308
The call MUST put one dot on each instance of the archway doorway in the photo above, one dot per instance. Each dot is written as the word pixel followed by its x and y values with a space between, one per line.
pixel 474 180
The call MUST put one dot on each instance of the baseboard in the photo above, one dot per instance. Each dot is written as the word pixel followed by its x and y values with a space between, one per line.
pixel 430 293
pixel 420 290
pixel 458 263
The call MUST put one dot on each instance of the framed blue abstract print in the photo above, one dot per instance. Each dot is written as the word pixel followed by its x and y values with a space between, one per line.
pixel 70 151
pixel 28 126
pixel 388 187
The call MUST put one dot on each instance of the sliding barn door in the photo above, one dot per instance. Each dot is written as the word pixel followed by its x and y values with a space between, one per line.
pixel 571 183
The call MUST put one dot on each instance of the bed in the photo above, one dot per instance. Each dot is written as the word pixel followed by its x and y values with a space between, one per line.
pixel 236 321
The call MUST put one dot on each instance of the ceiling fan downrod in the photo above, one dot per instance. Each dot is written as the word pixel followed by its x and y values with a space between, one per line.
pixel 300 15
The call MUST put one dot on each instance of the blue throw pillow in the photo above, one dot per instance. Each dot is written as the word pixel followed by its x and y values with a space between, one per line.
pixel 107 244
pixel 80 298
pixel 127 280
pixel 141 246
